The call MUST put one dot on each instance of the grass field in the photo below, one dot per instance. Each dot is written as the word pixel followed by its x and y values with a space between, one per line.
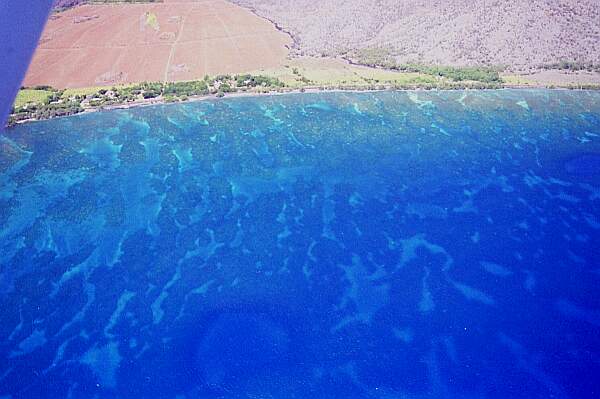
pixel 556 78
pixel 517 80
pixel 328 72
pixel 35 96
pixel 27 96
pixel 85 91
pixel 309 72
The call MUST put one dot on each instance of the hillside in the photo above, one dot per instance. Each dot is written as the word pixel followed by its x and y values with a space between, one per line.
pixel 519 34
pixel 539 43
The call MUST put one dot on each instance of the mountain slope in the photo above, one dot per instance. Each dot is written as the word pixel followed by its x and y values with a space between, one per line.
pixel 520 34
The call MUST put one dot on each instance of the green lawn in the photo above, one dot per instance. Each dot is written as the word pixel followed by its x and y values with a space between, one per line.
pixel 517 80
pixel 31 96
pixel 328 72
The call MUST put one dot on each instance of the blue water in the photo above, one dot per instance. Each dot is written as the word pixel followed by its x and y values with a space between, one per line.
pixel 376 245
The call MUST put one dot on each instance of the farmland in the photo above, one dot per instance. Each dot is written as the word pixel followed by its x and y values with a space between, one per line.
pixel 174 40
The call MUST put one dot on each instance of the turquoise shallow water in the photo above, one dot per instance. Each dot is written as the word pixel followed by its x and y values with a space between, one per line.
pixel 335 245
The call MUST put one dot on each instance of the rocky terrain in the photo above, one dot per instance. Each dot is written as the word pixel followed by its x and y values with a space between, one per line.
pixel 59 4
pixel 519 34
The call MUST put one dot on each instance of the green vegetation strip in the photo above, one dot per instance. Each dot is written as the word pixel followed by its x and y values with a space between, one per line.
pixel 475 74
pixel 573 66
pixel 27 96
pixel 44 102
pixel 382 58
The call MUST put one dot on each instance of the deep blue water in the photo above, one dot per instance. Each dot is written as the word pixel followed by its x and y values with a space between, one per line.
pixel 376 245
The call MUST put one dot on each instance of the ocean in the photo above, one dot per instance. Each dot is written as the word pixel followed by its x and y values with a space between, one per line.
pixel 327 245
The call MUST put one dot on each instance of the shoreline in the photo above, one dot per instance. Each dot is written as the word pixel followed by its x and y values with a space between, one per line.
pixel 273 93
pixel 300 72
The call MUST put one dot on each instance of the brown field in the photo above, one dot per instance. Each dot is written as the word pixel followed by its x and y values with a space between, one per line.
pixel 96 45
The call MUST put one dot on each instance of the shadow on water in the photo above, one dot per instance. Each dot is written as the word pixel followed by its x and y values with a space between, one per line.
pixel 243 348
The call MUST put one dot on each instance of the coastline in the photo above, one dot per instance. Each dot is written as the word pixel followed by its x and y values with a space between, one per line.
pixel 366 69
pixel 303 90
